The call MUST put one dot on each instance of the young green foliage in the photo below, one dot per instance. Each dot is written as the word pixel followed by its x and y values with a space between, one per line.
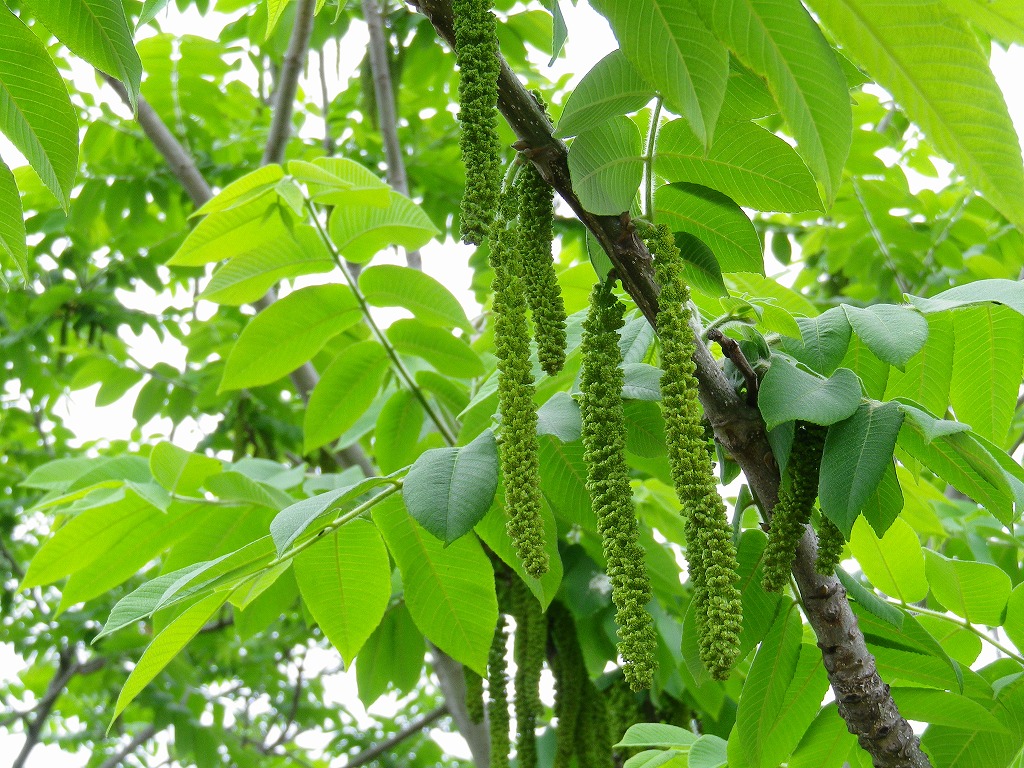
pixel 542 290
pixel 476 52
pixel 530 648
pixel 474 695
pixel 519 447
pixel 792 512
pixel 710 550
pixel 604 442
pixel 830 547
pixel 497 693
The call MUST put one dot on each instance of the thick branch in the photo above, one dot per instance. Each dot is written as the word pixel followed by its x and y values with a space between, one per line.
pixel 363 758
pixel 452 679
pixel 288 83
pixel 67 668
pixel 863 698
pixel 386 111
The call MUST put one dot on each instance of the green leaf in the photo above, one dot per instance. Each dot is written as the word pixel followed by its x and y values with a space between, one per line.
pixel 243 189
pixel 803 698
pixel 345 390
pixel 392 656
pixel 944 708
pixel 709 751
pixel 289 333
pixel 613 87
pixel 274 10
pixel 361 231
pixel 701 270
pixel 928 59
pixel 340 181
pixel 236 487
pixel 345 581
pixel 166 646
pixel 716 220
pixel 641 382
pixel 1009 293
pixel 36 112
pixel 449 490
pixel 606 166
pixel 858 452
pixel 387 285
pixel 869 601
pixel 753 166
pixel 559 32
pixel 872 372
pixel 244 228
pixel 1003 19
pixel 97 31
pixel 437 346
pixel 826 742
pixel 563 476
pixel 759 606
pixel 885 504
pixel 928 374
pixel 12 222
pixel 449 590
pixel 179 471
pixel 987 361
pixel 1014 624
pixel 667 43
pixel 971 747
pixel 141 602
pixel 788 393
pixel 778 40
pixel 560 416
pixel 894 563
pixel 894 332
pixel 645 428
pixel 660 735
pixel 823 341
pixel 150 9
pixel 976 591
pixel 395 441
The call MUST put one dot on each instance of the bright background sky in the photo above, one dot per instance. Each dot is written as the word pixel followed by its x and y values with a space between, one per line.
pixel 590 39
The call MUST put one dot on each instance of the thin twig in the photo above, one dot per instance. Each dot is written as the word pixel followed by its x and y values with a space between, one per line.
pixel 732 351
pixel 67 668
pixel 325 105
pixel 288 83
pixel 387 745
pixel 129 749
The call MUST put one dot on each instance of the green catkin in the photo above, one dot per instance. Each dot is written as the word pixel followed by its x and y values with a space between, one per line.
pixel 710 551
pixel 476 53
pixel 474 695
pixel 593 745
pixel 542 291
pixel 520 465
pixel 497 694
pixel 792 512
pixel 604 438
pixel 530 648
pixel 570 678
pixel 830 547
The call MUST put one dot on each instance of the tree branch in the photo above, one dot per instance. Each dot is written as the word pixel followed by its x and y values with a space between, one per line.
pixel 67 668
pixel 128 749
pixel 288 83
pixel 384 91
pixel 452 679
pixel 863 698
pixel 387 745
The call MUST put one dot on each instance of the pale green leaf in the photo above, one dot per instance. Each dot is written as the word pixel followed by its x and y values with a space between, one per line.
pixel 449 355
pixel 895 333
pixel 243 189
pixel 396 437
pixel 345 581
pixel 641 382
pixel 749 164
pixel 35 110
pixel 560 416
pixel 894 563
pixel 237 488
pixel 927 377
pixel 179 471
pixel 606 167
pixel 344 392
pixel 449 590
pixel 998 291
pixel 760 287
pixel 976 591
pixel 858 451
pixel 944 708
pixel 670 46
pixel 803 698
pixel 872 372
pixel 150 9
pixel 709 751
pixel 826 742
pixel 141 602
pixel 788 393
pixel 289 333
pixel 886 502
pixel 778 40
pixel 392 656
pixel 928 59
pixel 245 228
pixel 1014 624
pixel 564 476
pixel 449 490
pixel 340 181
pixel 166 646
pixel 701 269
pixel 970 747
pixel 274 10
pixel 97 31
pixel 389 285
pixel 12 222
pixel 716 220
pixel 1003 19
pixel 613 87
pixel 661 735
pixel 361 231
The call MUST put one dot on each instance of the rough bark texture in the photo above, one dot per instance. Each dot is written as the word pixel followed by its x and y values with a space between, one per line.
pixel 863 698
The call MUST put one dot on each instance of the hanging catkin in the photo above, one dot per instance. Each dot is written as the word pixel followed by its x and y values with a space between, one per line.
pixel 497 694
pixel 474 695
pixel 519 448
pixel 476 53
pixel 710 551
pixel 830 547
pixel 570 676
pixel 542 291
pixel 604 440
pixel 792 512
pixel 530 648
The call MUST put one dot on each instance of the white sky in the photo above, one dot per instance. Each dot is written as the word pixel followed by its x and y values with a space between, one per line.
pixel 590 39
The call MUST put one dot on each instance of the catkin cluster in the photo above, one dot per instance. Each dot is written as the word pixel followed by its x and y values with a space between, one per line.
pixel 830 547
pixel 476 53
pixel 519 447
pixel 530 649
pixel 604 440
pixel 710 550
pixel 497 705
pixel 474 695
pixel 792 512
